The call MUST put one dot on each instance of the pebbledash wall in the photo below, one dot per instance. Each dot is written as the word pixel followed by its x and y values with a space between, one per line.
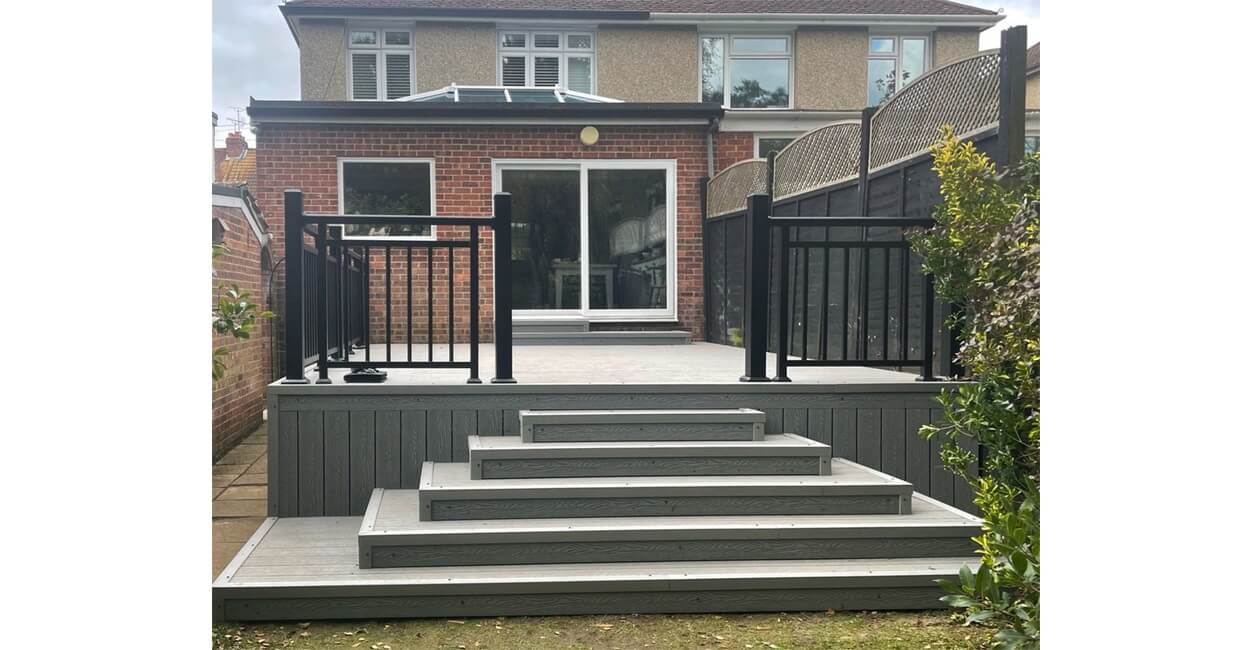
pixel 239 396
pixel 304 157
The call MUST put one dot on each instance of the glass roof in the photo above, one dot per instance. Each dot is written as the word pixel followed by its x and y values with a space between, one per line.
pixel 507 94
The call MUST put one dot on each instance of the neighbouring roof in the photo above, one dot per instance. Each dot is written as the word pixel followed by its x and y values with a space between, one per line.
pixel 1033 59
pixel 238 171
pixel 834 7
pixel 507 95
pixel 233 196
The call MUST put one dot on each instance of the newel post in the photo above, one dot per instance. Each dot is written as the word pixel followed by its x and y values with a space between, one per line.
pixel 293 318
pixel 756 317
pixel 502 260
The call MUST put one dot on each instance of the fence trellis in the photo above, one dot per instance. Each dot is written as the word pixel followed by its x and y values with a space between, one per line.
pixel 878 166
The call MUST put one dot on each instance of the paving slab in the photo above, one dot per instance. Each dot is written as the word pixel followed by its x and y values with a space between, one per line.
pixel 243 455
pixel 260 478
pixel 234 529
pixel 236 492
pixel 240 508
pixel 233 469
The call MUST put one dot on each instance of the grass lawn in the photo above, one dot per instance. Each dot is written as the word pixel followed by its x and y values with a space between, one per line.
pixel 867 630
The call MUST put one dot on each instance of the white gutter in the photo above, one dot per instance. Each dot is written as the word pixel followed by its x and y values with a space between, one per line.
pixel 894 20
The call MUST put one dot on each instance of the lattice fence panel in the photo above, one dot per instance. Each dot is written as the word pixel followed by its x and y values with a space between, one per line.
pixel 963 94
pixel 818 158
pixel 727 191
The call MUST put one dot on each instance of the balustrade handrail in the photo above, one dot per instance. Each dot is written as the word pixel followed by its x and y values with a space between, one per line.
pixel 327 244
pixel 759 229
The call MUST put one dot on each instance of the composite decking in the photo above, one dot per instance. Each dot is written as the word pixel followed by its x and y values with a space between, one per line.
pixel 307 568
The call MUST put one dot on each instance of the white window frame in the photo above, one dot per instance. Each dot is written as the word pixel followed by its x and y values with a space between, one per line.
pixel 769 135
pixel 583 167
pixel 897 57
pixel 727 67
pixel 379 52
pixel 433 199
pixel 563 52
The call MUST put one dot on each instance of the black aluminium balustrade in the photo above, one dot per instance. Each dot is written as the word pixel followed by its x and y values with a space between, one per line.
pixel 760 227
pixel 350 302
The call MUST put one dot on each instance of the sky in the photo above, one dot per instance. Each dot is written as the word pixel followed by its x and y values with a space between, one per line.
pixel 254 54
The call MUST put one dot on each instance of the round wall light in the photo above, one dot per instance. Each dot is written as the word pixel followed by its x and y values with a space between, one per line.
pixel 589 135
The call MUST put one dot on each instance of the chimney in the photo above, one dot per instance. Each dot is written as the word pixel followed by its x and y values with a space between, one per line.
pixel 236 146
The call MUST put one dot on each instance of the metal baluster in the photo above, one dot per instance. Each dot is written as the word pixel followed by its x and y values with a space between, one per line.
pixel 387 251
pixel 429 304
pixel 408 303
pixel 323 305
pixel 451 304
pixel 473 306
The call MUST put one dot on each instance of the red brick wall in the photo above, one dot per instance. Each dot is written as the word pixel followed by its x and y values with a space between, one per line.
pixel 239 396
pixel 732 147
pixel 305 157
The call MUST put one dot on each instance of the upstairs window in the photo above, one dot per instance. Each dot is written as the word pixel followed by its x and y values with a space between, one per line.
pixel 750 71
pixel 894 62
pixel 379 63
pixel 547 58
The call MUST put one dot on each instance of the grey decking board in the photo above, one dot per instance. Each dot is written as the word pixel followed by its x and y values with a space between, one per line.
pixel 311 464
pixel 412 446
pixel 438 435
pixel 337 463
pixel 917 450
pixel 893 441
pixel 288 463
pixel 868 437
pixel 463 425
pixel 388 454
pixel 362 463
pixel 640 424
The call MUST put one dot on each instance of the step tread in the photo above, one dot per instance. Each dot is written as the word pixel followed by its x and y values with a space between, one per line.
pixel 395 515
pixel 456 478
pixel 647 415
pixel 602 334
pixel 513 447
pixel 332 561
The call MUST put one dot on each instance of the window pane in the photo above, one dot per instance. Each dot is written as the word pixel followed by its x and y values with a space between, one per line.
pixel 579 41
pixel 759 83
pixel 713 71
pixel 913 59
pixel 881 45
pixel 364 75
pixel 514 71
pixel 386 188
pixel 579 73
pixel 547 40
pixel 546 70
pixel 755 45
pixel 880 80
pixel 628 239
pixel 364 37
pixel 514 40
pixel 768 145
pixel 398 76
pixel 546 238
pixel 397 38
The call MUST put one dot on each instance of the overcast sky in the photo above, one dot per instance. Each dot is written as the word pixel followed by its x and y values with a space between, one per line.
pixel 254 54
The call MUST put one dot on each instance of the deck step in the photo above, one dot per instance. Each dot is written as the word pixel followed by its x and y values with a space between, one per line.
pixel 305 568
pixel 600 337
pixel 641 425
pixel 526 326
pixel 448 492
pixel 391 535
pixel 499 457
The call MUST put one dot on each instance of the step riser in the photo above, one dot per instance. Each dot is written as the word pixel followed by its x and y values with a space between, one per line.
pixel 640 506
pixel 680 466
pixel 481 554
pixel 590 338
pixel 641 432
pixel 523 327
pixel 395 604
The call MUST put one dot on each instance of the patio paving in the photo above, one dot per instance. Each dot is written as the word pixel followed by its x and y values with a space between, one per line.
pixel 239 492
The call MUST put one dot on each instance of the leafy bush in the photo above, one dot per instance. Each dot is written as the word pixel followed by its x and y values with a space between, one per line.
pixel 235 315
pixel 984 254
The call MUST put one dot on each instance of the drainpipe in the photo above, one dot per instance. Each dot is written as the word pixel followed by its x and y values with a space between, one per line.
pixel 713 125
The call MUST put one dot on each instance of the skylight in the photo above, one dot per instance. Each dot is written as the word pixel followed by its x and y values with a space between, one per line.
pixel 507 94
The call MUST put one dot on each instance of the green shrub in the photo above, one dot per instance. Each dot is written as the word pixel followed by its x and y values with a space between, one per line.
pixel 234 315
pixel 984 254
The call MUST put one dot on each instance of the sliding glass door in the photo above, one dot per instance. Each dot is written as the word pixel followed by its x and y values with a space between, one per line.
pixel 592 238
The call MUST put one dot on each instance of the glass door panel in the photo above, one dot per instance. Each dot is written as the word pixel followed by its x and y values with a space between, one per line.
pixel 628 238
pixel 546 238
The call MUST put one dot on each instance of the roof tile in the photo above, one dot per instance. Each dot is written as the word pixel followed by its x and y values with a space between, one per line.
pixel 893 7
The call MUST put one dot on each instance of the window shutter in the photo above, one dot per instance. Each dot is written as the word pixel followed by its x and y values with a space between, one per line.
pixel 364 75
pixel 398 76
pixel 513 71
pixel 546 70
pixel 579 73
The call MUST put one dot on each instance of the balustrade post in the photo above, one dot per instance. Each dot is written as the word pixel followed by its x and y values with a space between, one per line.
pixel 503 289
pixel 755 315
pixel 293 318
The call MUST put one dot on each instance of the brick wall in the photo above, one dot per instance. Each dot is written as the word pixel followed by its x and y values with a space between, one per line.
pixel 305 156
pixel 239 396
pixel 732 147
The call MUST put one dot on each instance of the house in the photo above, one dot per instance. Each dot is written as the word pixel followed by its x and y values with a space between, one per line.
pixel 553 195
pixel 1033 101
pixel 235 163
